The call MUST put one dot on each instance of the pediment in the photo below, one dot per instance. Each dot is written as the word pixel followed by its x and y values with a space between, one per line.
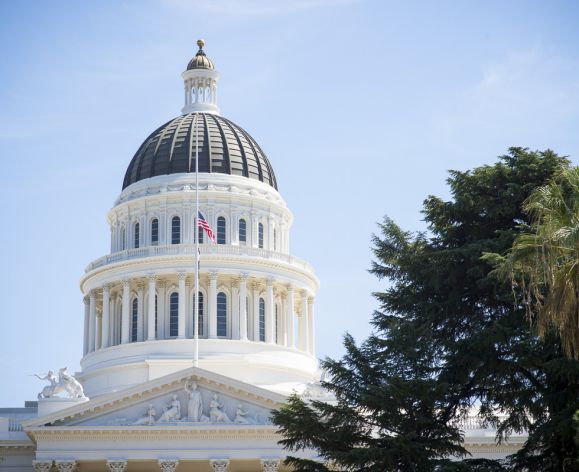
pixel 189 398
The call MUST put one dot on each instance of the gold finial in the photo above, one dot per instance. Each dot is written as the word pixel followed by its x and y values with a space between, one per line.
pixel 200 43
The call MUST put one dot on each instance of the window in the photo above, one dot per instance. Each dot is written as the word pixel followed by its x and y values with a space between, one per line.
pixel 123 238
pixel 174 314
pixel 242 231
pixel 155 231
pixel 200 315
pixel 260 235
pixel 221 230
pixel 156 318
pixel 200 234
pixel 136 236
pixel 221 314
pixel 176 230
pixel 134 320
pixel 261 319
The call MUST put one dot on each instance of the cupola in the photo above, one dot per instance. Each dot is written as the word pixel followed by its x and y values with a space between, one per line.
pixel 200 82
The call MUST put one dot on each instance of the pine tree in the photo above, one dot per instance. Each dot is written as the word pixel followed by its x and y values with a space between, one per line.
pixel 447 336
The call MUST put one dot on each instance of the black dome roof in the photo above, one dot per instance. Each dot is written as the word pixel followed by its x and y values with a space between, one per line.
pixel 224 148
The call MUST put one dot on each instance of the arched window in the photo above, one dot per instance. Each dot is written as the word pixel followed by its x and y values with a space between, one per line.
pixel 242 231
pixel 156 318
pixel 155 231
pixel 221 230
pixel 174 314
pixel 260 235
pixel 136 235
pixel 221 314
pixel 200 318
pixel 134 320
pixel 123 238
pixel 176 230
pixel 261 319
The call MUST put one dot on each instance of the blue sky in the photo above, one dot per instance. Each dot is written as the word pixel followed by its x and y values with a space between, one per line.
pixel 362 106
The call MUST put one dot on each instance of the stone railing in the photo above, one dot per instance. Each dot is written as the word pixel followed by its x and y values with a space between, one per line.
pixel 14 424
pixel 189 249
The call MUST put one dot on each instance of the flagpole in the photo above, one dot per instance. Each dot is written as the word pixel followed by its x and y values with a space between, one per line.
pixel 197 255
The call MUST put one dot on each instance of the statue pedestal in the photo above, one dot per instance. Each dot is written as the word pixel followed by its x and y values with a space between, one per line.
pixel 46 406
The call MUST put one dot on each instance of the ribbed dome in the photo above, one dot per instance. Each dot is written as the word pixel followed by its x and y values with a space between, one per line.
pixel 224 148
pixel 200 61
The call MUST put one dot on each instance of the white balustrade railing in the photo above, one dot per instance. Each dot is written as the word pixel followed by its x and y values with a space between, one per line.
pixel 189 249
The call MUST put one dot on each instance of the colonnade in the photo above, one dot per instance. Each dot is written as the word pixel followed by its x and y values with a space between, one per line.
pixel 237 307
pixel 200 90
pixel 165 465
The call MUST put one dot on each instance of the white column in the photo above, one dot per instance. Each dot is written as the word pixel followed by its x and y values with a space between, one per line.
pixel 151 335
pixel 290 317
pixel 181 313
pixel 116 466
pixel 125 313
pixel 235 310
pixel 311 327
pixel 269 312
pixel 254 222
pixel 168 465
pixel 86 325
pixel 212 305
pixel 255 312
pixel 243 306
pixel 92 322
pixel 106 323
pixel 140 311
pixel 303 324
pixel 65 466
pixel 219 465
pixel 270 465
pixel 270 227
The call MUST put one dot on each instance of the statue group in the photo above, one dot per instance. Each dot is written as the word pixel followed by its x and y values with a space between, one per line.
pixel 172 410
pixel 64 383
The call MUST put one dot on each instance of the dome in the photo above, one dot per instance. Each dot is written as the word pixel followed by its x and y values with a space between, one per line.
pixel 224 148
pixel 200 61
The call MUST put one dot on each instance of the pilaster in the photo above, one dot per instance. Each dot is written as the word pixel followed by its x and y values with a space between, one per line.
pixel 106 317
pixel 243 306
pixel 212 305
pixel 125 312
pixel 182 300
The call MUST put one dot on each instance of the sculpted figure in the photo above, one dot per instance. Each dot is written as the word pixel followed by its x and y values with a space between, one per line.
pixel 216 413
pixel 149 418
pixel 195 403
pixel 172 411
pixel 49 390
pixel 240 415
pixel 70 384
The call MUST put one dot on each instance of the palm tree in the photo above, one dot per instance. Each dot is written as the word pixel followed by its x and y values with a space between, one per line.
pixel 543 263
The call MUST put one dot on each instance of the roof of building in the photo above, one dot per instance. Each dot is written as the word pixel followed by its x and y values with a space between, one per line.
pixel 200 61
pixel 224 148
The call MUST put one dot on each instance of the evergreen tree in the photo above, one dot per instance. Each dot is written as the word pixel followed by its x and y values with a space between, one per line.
pixel 447 337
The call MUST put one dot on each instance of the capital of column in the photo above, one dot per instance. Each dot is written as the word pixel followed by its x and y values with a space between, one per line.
pixel 168 465
pixel 182 275
pixel 243 277
pixel 106 287
pixel 116 466
pixel 65 466
pixel 126 283
pixel 42 466
pixel 219 465
pixel 269 465
pixel 151 277
pixel 290 288
pixel 213 276
pixel 269 281
pixel 92 294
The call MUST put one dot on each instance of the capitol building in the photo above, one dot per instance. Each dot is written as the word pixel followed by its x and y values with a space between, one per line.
pixel 174 377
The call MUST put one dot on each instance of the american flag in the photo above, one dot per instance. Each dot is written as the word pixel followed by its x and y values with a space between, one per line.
pixel 202 223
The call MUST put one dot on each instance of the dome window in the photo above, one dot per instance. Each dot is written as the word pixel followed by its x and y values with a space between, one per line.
pixel 134 320
pixel 242 232
pixel 176 230
pixel 221 230
pixel 155 232
pixel 221 315
pixel 261 319
pixel 260 235
pixel 136 236
pixel 123 238
pixel 200 318
pixel 174 314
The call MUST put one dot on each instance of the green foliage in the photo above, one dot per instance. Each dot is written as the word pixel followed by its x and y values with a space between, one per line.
pixel 447 337
pixel 543 263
